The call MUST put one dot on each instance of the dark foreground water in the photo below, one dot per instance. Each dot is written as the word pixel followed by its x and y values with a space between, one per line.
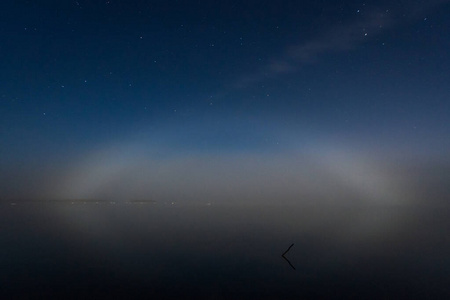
pixel 148 250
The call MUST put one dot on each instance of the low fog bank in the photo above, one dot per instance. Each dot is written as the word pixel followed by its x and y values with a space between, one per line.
pixel 339 178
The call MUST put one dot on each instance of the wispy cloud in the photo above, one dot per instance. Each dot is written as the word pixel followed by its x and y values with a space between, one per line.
pixel 340 38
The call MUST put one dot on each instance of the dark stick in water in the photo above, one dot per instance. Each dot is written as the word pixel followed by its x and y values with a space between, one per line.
pixel 282 255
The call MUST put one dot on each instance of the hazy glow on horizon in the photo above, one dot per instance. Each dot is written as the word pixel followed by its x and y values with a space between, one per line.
pixel 319 171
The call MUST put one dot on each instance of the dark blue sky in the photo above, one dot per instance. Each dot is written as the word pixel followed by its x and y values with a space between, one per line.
pixel 198 87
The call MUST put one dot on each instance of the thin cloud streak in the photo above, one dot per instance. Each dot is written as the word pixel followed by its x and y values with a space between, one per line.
pixel 338 39
pixel 341 38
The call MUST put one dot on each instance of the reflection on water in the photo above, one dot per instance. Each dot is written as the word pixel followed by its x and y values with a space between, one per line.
pixel 144 249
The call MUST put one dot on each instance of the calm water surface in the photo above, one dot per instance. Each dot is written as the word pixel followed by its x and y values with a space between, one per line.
pixel 98 250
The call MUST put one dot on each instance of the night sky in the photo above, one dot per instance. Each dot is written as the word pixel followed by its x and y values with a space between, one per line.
pixel 225 101
pixel 175 149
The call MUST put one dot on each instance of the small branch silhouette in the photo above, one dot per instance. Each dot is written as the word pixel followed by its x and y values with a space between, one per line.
pixel 282 255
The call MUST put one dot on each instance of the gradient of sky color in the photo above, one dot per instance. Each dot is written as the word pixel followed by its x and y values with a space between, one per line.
pixel 267 101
